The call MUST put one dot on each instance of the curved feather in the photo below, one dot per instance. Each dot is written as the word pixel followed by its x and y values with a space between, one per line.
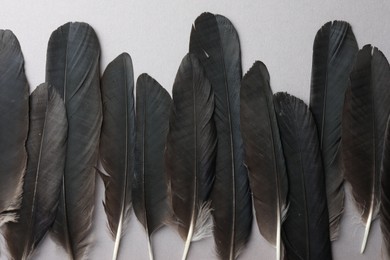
pixel 385 195
pixel 305 231
pixel 117 143
pixel 334 53
pixel 14 125
pixel 264 154
pixel 191 150
pixel 46 147
pixel 150 190
pixel 366 109
pixel 215 42
pixel 72 67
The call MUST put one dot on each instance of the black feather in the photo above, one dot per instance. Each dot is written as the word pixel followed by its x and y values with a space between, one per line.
pixel 191 150
pixel 46 147
pixel 305 232
pixel 72 68
pixel 150 190
pixel 334 53
pixel 264 154
pixel 117 144
pixel 366 109
pixel 14 125
pixel 215 42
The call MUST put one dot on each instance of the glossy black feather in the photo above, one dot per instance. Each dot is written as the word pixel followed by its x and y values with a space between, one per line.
pixel 385 195
pixel 14 125
pixel 366 109
pixel 334 54
pixel 191 150
pixel 72 68
pixel 215 42
pixel 150 189
pixel 305 231
pixel 117 143
pixel 46 147
pixel 264 154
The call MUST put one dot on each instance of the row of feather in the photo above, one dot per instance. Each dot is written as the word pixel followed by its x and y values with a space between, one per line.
pixel 197 161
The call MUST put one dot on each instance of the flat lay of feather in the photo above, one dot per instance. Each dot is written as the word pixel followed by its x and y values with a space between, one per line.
pixel 305 231
pixel 46 147
pixel 366 109
pixel 385 195
pixel 72 68
pixel 14 91
pixel 264 154
pixel 117 144
pixel 334 54
pixel 191 151
pixel 215 42
pixel 215 166
pixel 150 187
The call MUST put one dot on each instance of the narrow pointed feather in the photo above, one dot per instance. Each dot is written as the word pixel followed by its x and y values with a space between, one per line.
pixel 385 195
pixel 72 68
pixel 117 143
pixel 366 109
pixel 305 231
pixel 46 147
pixel 14 125
pixel 191 150
pixel 150 189
pixel 334 53
pixel 264 154
pixel 215 42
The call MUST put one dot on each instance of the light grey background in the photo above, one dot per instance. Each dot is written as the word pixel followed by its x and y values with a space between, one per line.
pixel 156 35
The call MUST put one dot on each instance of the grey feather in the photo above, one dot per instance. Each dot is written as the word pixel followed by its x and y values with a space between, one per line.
pixel 72 67
pixel 46 147
pixel 14 125
pixel 150 189
pixel 117 143
pixel 191 151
